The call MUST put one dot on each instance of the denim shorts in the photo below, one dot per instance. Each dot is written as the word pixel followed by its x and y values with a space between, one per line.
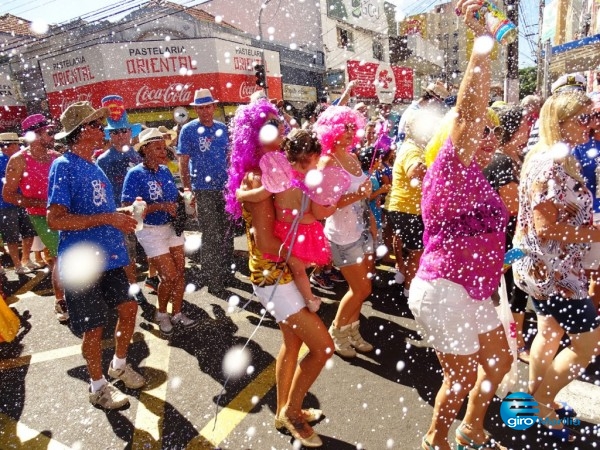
pixel 88 307
pixel 574 315
pixel 353 253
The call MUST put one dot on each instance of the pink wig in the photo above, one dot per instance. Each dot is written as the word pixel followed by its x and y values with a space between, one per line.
pixel 332 123
pixel 245 148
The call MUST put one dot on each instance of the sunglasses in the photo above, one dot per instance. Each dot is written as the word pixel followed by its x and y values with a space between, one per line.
pixel 274 122
pixel 584 119
pixel 118 131
pixel 95 124
pixel 496 130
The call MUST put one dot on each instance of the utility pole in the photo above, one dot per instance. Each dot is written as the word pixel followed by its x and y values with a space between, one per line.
pixel 540 66
pixel 263 61
pixel 511 84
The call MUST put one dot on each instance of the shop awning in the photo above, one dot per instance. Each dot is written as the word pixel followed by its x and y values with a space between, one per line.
pixel 576 56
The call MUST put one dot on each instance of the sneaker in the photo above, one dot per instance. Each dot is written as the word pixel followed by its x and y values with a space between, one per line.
pixel 109 397
pixel 32 265
pixel 128 376
pixel 22 270
pixel 357 341
pixel 164 323
pixel 184 321
pixel 152 284
pixel 140 298
pixel 60 309
pixel 341 341
pixel 336 276
pixel 321 280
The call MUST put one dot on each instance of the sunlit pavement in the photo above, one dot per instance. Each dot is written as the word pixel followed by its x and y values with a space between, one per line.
pixel 377 401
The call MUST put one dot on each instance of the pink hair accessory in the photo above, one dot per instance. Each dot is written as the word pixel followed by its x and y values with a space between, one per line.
pixel 324 187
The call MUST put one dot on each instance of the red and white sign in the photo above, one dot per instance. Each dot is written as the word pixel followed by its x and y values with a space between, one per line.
pixel 158 74
pixel 12 111
pixel 380 80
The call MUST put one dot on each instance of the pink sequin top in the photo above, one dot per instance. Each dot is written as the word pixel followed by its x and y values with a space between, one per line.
pixel 465 224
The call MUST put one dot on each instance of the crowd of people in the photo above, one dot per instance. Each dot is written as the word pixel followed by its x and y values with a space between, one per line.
pixel 443 195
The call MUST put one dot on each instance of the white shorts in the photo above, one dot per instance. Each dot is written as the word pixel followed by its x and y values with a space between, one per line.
pixel 281 300
pixel 158 239
pixel 448 317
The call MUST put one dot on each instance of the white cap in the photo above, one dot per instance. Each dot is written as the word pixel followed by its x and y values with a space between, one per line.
pixel 569 82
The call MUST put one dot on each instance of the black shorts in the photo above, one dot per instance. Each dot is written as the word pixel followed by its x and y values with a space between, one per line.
pixel 88 307
pixel 409 227
pixel 15 225
pixel 574 315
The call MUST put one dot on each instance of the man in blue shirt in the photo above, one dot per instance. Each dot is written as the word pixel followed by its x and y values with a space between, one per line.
pixel 81 208
pixel 116 162
pixel 202 150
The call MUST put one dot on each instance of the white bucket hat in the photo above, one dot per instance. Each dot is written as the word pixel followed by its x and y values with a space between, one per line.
pixel 203 97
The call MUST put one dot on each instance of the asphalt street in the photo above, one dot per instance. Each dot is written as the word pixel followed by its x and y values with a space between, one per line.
pixel 381 400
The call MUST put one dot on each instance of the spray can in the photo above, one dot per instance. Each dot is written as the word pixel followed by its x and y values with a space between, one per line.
pixel 187 199
pixel 139 206
pixel 496 22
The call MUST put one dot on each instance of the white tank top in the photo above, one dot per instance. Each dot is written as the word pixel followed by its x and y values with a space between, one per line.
pixel 346 225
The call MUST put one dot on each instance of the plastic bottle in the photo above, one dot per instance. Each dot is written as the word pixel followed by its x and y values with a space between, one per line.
pixel 139 206
pixel 187 198
pixel 496 22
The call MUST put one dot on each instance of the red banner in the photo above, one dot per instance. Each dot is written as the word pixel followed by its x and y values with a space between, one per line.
pixel 11 117
pixel 380 80
pixel 164 92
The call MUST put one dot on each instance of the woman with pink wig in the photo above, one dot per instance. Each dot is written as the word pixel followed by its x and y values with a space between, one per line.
pixel 350 238
pixel 256 130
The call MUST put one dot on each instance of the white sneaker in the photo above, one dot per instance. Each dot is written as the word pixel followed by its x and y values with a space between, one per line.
pixel 108 397
pixel 184 321
pixel 60 309
pixel 164 323
pixel 22 270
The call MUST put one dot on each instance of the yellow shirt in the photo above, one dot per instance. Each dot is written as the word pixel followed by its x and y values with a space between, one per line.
pixel 405 196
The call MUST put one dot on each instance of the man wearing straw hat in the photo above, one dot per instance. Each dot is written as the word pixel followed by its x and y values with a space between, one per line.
pixel 202 149
pixel 81 207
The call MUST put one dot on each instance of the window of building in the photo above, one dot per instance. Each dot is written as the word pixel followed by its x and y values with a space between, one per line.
pixel 345 39
pixel 378 51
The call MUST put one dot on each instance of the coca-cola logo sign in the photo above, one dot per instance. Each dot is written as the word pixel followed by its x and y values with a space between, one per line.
pixel 174 94
pixel 246 90
pixel 83 97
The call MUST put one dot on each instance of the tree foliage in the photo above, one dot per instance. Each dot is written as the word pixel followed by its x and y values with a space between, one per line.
pixel 527 81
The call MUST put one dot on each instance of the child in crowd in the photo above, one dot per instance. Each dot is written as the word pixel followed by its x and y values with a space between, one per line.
pixel 310 245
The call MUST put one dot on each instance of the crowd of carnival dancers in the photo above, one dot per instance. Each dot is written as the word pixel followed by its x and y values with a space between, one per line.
pixel 448 190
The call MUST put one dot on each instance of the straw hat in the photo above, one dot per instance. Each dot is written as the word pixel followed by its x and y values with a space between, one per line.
pixel 148 135
pixel 9 138
pixel 203 97
pixel 77 114
pixel 438 90
pixel 172 134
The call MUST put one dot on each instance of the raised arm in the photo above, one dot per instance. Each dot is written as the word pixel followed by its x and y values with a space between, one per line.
pixel 473 94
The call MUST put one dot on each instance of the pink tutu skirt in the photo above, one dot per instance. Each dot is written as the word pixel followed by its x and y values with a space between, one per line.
pixel 311 245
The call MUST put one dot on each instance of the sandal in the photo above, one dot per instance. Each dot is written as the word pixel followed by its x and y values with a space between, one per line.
pixel 464 442
pixel 523 355
pixel 310 415
pixel 296 425
pixel 425 445
pixel 565 411
pixel 563 434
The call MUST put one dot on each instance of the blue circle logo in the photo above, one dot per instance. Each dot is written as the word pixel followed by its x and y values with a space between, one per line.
pixel 519 411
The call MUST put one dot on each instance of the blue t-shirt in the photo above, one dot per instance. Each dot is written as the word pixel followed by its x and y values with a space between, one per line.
pixel 115 165
pixel 207 149
pixel 153 187
pixel 3 163
pixel 84 189
pixel 588 155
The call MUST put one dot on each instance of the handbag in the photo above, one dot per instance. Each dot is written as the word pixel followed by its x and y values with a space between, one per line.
pixel 9 322
pixel 510 381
